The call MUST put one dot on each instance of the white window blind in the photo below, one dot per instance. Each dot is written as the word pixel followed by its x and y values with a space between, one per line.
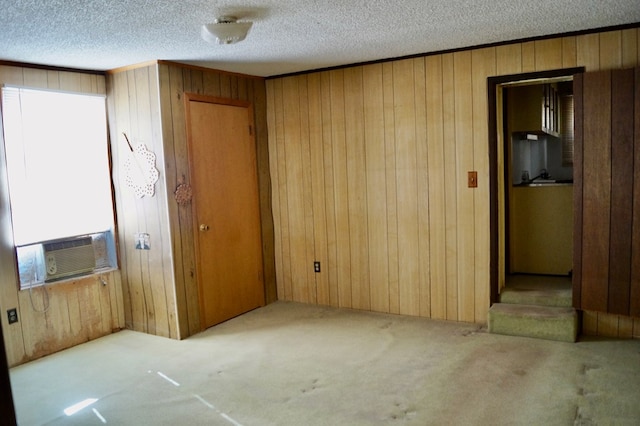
pixel 57 164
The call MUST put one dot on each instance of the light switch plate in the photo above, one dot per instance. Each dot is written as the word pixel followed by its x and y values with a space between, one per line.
pixel 472 179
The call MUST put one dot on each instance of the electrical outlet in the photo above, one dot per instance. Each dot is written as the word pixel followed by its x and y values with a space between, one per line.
pixel 316 266
pixel 12 315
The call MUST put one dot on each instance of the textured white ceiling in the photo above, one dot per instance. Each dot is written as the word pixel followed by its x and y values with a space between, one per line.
pixel 287 36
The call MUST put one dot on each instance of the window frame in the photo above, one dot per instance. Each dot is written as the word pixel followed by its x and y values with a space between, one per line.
pixel 105 251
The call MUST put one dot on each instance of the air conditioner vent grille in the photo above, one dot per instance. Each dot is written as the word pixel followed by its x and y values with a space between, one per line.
pixel 69 257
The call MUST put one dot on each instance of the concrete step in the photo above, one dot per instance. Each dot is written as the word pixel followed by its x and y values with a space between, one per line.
pixel 542 297
pixel 542 322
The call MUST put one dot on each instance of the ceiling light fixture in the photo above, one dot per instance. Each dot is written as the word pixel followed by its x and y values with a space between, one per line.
pixel 225 30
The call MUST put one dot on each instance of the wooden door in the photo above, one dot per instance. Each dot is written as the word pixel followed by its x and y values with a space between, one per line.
pixel 606 192
pixel 226 211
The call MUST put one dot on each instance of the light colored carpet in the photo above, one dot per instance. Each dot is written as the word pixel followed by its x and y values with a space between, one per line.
pixel 294 364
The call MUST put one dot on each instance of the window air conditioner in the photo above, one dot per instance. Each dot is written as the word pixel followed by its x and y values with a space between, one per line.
pixel 69 257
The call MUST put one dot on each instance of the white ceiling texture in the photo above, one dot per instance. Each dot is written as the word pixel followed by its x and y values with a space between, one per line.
pixel 287 35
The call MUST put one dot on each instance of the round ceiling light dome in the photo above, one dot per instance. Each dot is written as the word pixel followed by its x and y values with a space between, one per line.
pixel 226 30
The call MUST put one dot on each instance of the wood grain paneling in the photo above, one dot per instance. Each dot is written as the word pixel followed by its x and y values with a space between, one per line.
pixel 607 169
pixel 402 135
pixel 160 289
pixel 622 94
pixel 635 241
pixel 596 188
pixel 59 315
pixel 578 120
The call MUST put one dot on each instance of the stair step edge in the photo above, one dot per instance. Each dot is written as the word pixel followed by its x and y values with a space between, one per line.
pixel 532 310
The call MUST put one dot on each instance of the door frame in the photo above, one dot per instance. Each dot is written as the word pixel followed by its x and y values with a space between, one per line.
pixel 496 173
pixel 196 97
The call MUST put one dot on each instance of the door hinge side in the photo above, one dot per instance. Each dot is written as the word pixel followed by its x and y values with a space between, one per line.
pixel 250 130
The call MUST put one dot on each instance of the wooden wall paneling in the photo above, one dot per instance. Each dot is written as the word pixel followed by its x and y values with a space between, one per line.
pixel 196 81
pixel 376 184
pixel 436 172
pixel 126 213
pixel 391 186
pixel 151 207
pixel 357 188
pixel 138 259
pixel 117 95
pixel 588 51
pixel 448 97
pixel 548 54
pixel 316 150
pixel 509 59
pixel 634 308
pixel 114 284
pixel 211 80
pixel 625 327
pixel 578 182
pixel 451 184
pixel 225 85
pixel 275 126
pixel 569 53
pixel 307 265
pixel 622 99
pixel 32 77
pixel 244 87
pixel 422 176
pixel 528 56
pixel 283 183
pixel 162 267
pixel 341 194
pixel 327 141
pixel 406 184
pixel 596 189
pixel 295 188
pixel 465 202
pixel 53 79
pixel 175 151
pixel 608 324
pixel 610 50
pixel 629 48
pixel 589 323
pixel 308 282
pixel 256 90
pixel 483 66
pixel 183 271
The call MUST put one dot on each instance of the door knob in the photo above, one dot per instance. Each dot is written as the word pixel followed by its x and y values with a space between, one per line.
pixel 204 227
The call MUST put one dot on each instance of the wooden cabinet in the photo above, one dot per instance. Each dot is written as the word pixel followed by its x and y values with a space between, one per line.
pixel 536 109
pixel 606 201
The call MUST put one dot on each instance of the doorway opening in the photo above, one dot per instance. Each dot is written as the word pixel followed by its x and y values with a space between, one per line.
pixel 530 142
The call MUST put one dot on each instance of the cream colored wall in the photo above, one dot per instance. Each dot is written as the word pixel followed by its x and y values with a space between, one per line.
pixel 79 310
pixel 541 229
pixel 369 167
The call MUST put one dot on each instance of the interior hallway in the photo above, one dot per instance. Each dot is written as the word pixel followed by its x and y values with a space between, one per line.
pixel 295 364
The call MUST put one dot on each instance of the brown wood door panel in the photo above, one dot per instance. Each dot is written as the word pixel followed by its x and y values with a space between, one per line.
pixel 596 189
pixel 607 192
pixel 634 309
pixel 621 191
pixel 578 121
pixel 226 204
